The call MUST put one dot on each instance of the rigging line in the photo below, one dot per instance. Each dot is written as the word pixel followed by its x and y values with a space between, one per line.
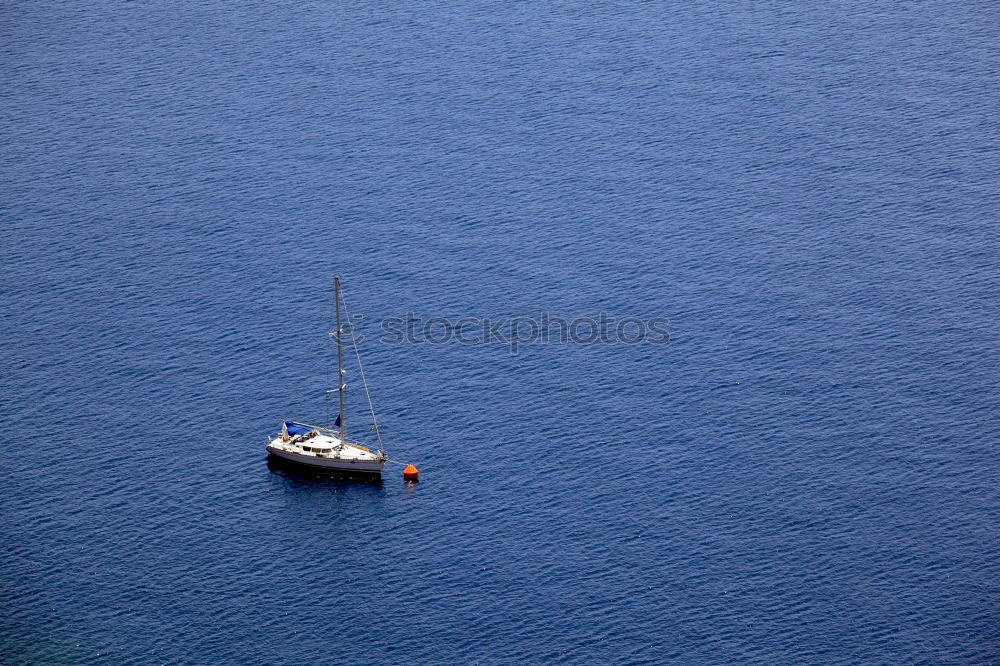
pixel 361 371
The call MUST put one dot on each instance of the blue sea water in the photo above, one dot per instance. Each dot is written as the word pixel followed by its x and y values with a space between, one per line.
pixel 805 473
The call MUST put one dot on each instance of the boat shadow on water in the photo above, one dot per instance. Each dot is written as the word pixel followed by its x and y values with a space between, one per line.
pixel 312 476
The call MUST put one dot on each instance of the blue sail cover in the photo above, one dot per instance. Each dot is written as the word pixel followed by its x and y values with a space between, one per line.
pixel 296 429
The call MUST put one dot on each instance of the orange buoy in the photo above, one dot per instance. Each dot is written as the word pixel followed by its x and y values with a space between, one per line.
pixel 410 473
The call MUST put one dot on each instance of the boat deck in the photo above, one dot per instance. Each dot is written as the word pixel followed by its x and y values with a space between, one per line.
pixel 324 446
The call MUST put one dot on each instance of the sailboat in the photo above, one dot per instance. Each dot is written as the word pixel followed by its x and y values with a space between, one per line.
pixel 328 447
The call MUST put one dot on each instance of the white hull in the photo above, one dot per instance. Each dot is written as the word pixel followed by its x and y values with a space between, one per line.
pixel 330 463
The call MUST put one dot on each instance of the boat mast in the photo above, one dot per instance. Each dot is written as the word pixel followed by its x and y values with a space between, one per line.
pixel 364 382
pixel 340 360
